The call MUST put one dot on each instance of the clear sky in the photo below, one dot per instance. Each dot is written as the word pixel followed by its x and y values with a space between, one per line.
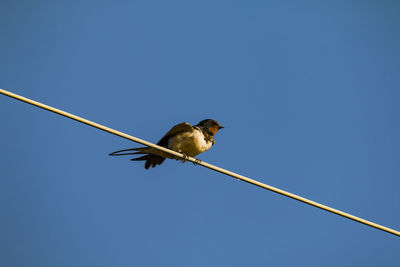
pixel 308 92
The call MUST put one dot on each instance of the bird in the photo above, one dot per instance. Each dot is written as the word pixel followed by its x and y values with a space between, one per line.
pixel 183 137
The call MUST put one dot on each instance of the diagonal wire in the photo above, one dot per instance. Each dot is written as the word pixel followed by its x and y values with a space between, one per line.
pixel 202 163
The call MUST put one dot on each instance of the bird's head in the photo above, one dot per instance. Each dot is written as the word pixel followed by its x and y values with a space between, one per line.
pixel 211 126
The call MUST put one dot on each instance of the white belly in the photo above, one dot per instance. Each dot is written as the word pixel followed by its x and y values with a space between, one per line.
pixel 191 144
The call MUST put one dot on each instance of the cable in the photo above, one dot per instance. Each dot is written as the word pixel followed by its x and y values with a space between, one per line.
pixel 202 163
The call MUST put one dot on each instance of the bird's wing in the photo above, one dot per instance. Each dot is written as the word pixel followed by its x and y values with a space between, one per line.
pixel 182 127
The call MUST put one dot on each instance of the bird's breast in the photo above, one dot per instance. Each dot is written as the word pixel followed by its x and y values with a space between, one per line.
pixel 190 143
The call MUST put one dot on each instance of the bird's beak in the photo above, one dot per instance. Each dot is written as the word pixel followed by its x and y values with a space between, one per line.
pixel 220 127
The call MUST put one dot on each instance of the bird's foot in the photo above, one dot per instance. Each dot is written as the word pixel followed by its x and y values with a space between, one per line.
pixel 196 162
pixel 184 158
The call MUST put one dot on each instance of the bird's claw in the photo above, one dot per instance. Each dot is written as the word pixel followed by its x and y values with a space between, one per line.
pixel 184 157
pixel 196 162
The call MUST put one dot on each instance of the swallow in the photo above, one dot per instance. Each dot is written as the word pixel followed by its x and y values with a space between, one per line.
pixel 183 138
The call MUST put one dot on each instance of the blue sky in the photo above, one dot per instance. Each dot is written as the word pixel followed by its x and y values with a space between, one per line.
pixel 308 93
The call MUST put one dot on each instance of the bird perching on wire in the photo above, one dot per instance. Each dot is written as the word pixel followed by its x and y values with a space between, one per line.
pixel 184 138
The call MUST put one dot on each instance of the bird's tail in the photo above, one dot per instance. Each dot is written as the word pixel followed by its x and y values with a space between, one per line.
pixel 139 150
pixel 151 159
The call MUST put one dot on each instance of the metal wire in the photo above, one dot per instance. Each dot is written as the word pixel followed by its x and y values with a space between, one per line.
pixel 202 163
